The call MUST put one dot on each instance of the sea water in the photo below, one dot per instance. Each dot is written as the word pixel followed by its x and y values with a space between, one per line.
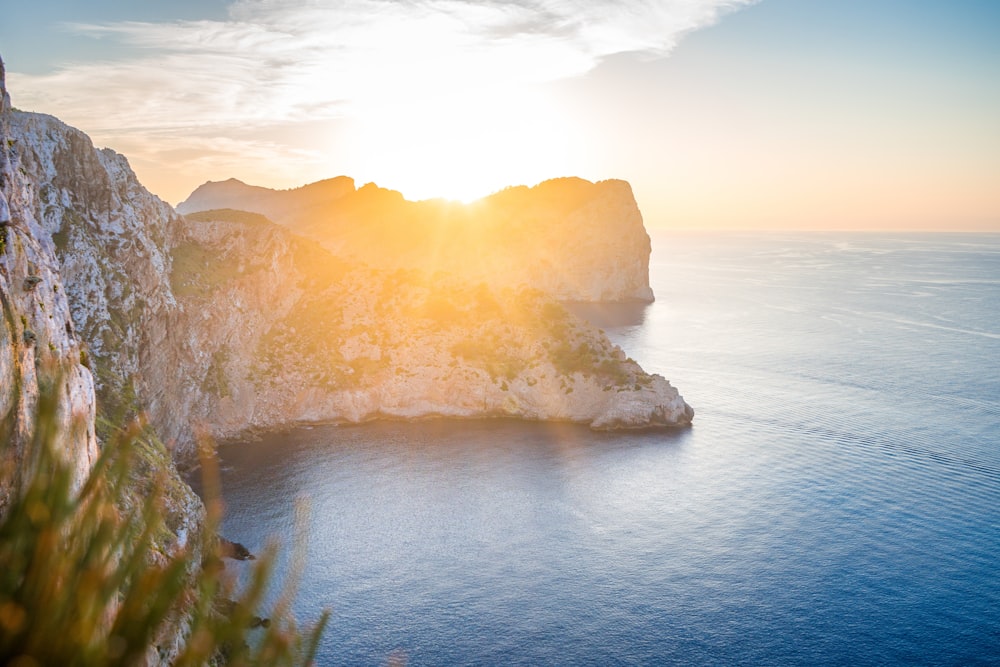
pixel 836 502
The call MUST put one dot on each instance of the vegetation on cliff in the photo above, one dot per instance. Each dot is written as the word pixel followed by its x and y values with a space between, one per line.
pixel 87 579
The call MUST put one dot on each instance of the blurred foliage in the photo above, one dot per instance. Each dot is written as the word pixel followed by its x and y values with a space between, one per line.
pixel 82 581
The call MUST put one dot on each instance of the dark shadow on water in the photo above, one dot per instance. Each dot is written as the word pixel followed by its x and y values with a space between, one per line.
pixel 265 457
pixel 609 315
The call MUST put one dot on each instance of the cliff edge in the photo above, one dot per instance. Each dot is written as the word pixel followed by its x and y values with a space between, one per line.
pixel 39 346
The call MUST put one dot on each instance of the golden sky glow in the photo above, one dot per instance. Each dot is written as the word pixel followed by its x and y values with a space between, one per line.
pixel 721 113
pixel 463 145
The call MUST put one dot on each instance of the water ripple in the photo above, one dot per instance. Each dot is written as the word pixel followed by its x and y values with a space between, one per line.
pixel 837 501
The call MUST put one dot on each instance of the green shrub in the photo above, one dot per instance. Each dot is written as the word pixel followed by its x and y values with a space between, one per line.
pixel 568 359
pixel 81 582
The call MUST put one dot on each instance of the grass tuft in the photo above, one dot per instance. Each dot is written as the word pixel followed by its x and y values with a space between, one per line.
pixel 82 582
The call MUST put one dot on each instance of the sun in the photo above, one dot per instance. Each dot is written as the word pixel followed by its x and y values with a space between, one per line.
pixel 462 146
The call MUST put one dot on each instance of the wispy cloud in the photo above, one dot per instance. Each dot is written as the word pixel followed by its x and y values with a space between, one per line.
pixel 288 61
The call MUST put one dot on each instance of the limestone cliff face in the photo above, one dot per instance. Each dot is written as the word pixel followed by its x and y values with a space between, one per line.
pixel 111 239
pixel 81 279
pixel 575 240
pixel 278 331
pixel 39 344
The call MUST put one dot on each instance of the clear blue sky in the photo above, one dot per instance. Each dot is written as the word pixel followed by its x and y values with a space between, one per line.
pixel 876 114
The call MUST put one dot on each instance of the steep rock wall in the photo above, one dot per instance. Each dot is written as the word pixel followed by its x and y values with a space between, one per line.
pixel 111 238
pixel 39 345
pixel 65 307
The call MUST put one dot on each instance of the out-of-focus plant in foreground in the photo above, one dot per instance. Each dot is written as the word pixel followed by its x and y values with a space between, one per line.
pixel 85 578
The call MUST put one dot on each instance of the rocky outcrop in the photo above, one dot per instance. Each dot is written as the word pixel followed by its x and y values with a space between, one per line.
pixel 278 331
pixel 111 238
pixel 573 239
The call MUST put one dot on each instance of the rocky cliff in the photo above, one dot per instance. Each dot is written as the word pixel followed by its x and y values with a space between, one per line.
pixel 39 345
pixel 573 239
pixel 276 330
pixel 110 239
pixel 79 289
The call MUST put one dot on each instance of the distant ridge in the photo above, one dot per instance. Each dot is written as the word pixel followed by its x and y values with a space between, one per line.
pixel 576 240
pixel 234 193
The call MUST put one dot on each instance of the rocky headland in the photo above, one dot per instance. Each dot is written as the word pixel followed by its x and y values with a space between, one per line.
pixel 570 238
pixel 299 335
pixel 223 321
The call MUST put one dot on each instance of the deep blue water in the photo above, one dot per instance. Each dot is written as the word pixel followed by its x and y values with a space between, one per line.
pixel 837 501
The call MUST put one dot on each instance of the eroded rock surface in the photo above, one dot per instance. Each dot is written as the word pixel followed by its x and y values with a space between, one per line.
pixel 39 345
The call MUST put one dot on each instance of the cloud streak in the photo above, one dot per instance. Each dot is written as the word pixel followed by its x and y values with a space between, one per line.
pixel 278 60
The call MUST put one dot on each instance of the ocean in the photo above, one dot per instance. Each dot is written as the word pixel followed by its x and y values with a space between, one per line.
pixel 837 501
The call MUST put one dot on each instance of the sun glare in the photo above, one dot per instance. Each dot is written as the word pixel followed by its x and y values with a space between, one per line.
pixel 461 146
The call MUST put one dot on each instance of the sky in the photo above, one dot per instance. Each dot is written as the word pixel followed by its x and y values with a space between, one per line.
pixel 722 114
